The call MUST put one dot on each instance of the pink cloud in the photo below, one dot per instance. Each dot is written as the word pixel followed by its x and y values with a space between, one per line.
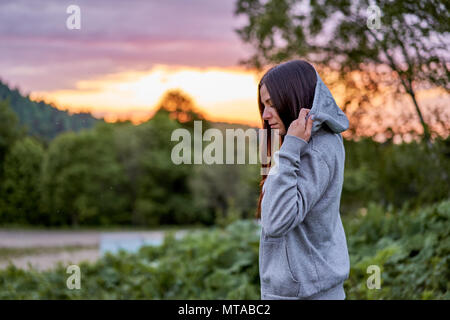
pixel 37 52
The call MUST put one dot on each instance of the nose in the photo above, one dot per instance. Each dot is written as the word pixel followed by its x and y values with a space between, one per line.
pixel 266 114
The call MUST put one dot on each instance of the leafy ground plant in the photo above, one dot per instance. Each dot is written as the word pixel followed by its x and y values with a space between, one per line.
pixel 411 248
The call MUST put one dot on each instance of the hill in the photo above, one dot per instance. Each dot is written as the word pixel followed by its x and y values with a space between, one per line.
pixel 41 119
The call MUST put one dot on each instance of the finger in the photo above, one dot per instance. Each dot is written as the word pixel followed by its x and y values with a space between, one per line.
pixel 309 124
pixel 302 116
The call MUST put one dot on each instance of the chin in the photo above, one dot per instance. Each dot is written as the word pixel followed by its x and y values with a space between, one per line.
pixel 280 132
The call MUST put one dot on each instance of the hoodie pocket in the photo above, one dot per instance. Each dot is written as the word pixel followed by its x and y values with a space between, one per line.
pixel 303 268
pixel 276 276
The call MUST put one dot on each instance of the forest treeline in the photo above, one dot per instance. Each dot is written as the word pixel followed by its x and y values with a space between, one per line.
pixel 122 174
pixel 41 119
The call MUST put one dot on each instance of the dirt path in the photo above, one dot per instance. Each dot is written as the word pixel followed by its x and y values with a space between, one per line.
pixel 47 261
pixel 29 239
pixel 44 249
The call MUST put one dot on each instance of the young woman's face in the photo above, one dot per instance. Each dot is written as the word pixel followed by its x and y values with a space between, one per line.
pixel 270 114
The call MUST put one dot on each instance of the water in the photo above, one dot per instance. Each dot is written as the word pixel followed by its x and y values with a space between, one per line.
pixel 130 241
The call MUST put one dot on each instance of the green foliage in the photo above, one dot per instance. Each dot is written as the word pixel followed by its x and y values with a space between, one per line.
pixel 80 177
pixel 118 174
pixel 217 264
pixel 41 119
pixel 9 130
pixel 163 195
pixel 411 247
pixel 122 174
pixel 395 173
pixel 224 190
pixel 21 183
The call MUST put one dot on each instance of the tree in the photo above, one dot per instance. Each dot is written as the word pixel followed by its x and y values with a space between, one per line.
pixel 408 51
pixel 81 178
pixel 21 184
pixel 9 130
pixel 43 120
pixel 163 195
pixel 181 108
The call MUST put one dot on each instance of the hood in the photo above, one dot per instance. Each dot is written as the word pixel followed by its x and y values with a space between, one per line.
pixel 325 110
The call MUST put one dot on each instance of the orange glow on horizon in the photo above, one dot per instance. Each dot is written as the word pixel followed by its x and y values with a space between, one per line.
pixel 221 94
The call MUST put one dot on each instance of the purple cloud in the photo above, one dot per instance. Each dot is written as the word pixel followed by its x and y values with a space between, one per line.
pixel 38 52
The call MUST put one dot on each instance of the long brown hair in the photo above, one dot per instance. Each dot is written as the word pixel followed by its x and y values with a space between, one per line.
pixel 291 86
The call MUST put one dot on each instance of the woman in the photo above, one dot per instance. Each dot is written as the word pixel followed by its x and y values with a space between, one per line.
pixel 303 248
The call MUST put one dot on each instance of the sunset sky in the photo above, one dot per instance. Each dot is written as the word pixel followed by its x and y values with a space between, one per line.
pixel 127 54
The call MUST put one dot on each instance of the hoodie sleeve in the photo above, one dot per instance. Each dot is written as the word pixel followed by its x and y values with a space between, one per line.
pixel 291 192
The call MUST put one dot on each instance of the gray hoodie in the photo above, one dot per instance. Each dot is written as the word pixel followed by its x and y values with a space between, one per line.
pixel 303 248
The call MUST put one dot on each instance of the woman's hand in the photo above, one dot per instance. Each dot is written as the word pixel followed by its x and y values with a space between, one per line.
pixel 301 127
